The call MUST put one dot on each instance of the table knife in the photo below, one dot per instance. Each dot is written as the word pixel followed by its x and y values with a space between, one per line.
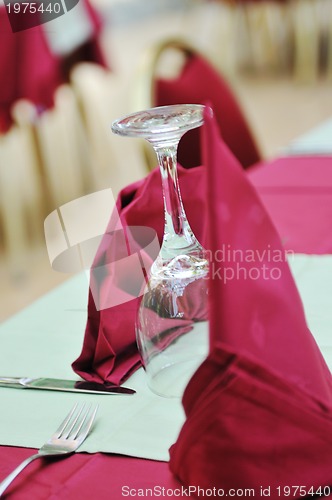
pixel 54 384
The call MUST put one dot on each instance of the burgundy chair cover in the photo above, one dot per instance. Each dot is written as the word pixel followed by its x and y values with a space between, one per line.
pixel 200 83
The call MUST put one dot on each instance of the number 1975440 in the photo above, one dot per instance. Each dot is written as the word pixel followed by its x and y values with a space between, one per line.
pixel 33 7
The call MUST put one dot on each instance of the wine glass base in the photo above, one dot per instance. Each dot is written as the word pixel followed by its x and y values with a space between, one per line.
pixel 160 124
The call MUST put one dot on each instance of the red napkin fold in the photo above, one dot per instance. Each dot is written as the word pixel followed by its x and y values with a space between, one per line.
pixel 259 409
pixel 109 351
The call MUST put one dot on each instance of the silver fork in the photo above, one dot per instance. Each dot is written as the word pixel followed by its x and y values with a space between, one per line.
pixel 66 439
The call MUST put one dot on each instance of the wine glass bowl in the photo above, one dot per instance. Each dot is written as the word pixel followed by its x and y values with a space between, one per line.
pixel 172 326
pixel 171 330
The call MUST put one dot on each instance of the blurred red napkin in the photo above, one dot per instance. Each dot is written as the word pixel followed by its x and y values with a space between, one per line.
pixel 109 351
pixel 30 67
pixel 259 409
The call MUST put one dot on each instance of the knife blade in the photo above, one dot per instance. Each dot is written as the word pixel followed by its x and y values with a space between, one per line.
pixel 55 384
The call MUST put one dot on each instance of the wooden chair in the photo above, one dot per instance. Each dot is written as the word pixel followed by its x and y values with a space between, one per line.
pixel 307 35
pixel 21 193
pixel 43 165
pixel 264 36
pixel 102 97
pixel 62 149
pixel 193 79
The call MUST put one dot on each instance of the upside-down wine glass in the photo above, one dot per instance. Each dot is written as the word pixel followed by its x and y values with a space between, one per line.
pixel 171 328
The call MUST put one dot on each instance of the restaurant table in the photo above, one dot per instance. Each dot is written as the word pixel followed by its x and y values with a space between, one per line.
pixel 297 192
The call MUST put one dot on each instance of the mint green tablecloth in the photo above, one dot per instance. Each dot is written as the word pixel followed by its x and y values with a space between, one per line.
pixel 45 338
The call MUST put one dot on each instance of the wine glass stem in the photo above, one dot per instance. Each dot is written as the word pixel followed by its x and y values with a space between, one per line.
pixel 176 224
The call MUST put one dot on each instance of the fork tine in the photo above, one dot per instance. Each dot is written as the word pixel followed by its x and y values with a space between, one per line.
pixel 77 423
pixel 85 425
pixel 72 423
pixel 64 424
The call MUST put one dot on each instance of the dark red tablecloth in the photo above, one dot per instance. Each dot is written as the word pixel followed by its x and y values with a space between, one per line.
pixel 297 192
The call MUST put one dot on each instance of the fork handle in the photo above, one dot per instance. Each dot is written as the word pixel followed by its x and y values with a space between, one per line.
pixel 7 481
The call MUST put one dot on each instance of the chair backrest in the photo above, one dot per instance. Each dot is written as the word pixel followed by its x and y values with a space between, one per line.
pixel 41 168
pixel 21 192
pixel 198 82
pixel 102 97
pixel 62 150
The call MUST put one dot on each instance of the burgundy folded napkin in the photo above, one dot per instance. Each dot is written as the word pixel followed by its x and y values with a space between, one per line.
pixel 109 351
pixel 259 409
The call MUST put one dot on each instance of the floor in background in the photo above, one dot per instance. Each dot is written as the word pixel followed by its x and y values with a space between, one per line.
pixel 20 287
pixel 281 109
